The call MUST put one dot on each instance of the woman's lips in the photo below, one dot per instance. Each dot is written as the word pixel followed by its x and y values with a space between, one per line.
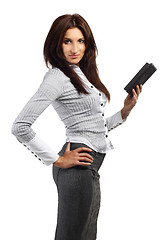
pixel 74 56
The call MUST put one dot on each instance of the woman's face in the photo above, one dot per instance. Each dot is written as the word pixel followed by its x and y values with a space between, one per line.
pixel 73 45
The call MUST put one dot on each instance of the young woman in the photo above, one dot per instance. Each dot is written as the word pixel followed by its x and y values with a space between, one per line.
pixel 73 87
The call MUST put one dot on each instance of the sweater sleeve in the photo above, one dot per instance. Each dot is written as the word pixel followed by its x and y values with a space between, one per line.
pixel 114 121
pixel 50 89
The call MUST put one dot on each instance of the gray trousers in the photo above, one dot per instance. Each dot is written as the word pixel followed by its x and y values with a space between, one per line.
pixel 78 198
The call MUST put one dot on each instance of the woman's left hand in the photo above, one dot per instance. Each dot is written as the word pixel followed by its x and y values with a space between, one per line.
pixel 130 102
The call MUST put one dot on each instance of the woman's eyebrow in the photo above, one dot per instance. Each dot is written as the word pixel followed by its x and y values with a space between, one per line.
pixel 70 38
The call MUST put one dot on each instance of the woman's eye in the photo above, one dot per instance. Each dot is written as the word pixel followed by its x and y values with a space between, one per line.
pixel 81 40
pixel 66 41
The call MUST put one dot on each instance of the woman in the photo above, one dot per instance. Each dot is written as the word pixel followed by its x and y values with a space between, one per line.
pixel 74 89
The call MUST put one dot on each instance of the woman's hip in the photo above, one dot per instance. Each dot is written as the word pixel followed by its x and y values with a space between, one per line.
pixel 69 172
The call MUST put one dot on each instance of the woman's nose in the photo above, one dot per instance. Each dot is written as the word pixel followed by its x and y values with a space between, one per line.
pixel 74 48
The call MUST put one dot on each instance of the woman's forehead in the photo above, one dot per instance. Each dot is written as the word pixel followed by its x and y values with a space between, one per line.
pixel 73 33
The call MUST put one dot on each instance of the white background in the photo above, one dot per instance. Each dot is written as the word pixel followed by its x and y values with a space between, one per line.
pixel 127 36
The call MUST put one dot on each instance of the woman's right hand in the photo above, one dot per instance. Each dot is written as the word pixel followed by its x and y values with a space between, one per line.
pixel 74 158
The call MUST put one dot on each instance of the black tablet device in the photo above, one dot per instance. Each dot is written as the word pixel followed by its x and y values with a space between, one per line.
pixel 141 77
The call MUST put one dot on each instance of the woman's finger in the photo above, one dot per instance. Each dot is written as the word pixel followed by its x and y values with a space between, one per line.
pixel 85 159
pixel 134 93
pixel 84 163
pixel 81 149
pixel 85 155
pixel 138 90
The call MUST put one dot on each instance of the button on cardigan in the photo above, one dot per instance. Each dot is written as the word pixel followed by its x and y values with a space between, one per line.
pixel 82 115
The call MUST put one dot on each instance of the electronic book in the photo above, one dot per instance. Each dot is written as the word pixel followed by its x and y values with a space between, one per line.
pixel 141 77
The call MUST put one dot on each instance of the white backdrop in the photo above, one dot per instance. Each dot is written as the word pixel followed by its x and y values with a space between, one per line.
pixel 127 36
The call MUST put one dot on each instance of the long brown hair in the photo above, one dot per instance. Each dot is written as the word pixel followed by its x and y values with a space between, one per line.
pixel 53 53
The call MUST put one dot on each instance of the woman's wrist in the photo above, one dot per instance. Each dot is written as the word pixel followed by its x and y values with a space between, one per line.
pixel 124 113
pixel 58 161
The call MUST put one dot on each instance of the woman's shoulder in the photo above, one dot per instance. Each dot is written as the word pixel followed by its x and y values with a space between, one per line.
pixel 55 73
pixel 55 76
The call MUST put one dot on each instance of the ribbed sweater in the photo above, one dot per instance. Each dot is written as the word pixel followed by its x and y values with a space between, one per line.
pixel 83 115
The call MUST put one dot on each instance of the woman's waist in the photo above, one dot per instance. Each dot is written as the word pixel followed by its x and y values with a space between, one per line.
pixel 97 157
pixel 98 143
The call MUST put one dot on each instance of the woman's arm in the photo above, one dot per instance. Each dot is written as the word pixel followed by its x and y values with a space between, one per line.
pixel 120 117
pixel 50 89
pixel 114 121
pixel 130 102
